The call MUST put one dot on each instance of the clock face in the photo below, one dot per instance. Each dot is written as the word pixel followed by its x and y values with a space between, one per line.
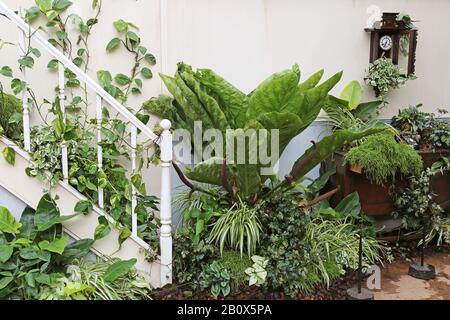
pixel 385 43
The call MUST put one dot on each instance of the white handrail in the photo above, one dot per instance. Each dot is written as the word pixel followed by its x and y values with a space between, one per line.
pixel 58 55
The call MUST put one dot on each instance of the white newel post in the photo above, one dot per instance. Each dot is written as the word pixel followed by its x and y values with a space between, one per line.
pixel 166 205
pixel 25 109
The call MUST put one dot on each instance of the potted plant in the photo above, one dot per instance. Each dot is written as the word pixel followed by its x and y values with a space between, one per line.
pixel 383 75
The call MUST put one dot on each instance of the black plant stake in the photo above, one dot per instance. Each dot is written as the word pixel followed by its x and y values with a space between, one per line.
pixel 423 271
pixel 358 292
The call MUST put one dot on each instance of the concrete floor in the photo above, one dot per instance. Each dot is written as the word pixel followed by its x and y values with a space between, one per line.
pixel 396 284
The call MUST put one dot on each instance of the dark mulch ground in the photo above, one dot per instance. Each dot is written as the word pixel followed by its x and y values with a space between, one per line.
pixel 336 291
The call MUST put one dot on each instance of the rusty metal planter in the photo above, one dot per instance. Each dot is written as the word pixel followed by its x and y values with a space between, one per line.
pixel 376 200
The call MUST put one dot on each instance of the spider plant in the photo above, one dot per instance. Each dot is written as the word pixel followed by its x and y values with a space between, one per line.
pixel 239 226
pixel 129 286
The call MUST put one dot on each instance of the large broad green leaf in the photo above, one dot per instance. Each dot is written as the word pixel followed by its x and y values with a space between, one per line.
pixel 27 230
pixel 47 214
pixel 6 251
pixel 34 252
pixel 56 246
pixel 321 181
pixel 46 211
pixel 7 222
pixel 274 93
pixel 77 249
pixel 349 206
pixel 336 141
pixel 352 93
pixel 288 124
pixel 311 82
pixel 249 181
pixel 118 269
pixel 209 104
pixel 315 99
pixel 364 110
pixel 189 103
pixel 232 100
pixel 5 279
pixel 207 171
pixel 103 228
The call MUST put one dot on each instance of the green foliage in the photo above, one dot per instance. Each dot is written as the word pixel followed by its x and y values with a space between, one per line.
pixel 190 260
pixel 406 19
pixel 384 75
pixel 7 222
pixel 39 263
pixel 85 176
pixel 10 115
pixel 10 155
pixel 382 158
pixel 279 102
pixel 118 269
pixel 236 266
pixel 216 277
pixel 309 247
pixel 425 129
pixel 415 203
pixel 237 228
pixel 347 112
pixel 257 272
pixel 32 255
pixel 87 279
pixel 352 93
pixel 123 84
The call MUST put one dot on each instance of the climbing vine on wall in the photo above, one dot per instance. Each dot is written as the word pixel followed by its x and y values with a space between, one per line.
pixel 75 129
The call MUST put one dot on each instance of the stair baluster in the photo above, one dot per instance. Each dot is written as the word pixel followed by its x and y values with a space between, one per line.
pixel 62 104
pixel 165 203
pixel 133 169
pixel 99 112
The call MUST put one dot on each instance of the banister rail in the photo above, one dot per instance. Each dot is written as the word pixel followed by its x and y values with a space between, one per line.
pixel 81 75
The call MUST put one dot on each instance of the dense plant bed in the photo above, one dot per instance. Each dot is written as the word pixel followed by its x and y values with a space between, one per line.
pixel 376 200
pixel 336 291
pixel 406 251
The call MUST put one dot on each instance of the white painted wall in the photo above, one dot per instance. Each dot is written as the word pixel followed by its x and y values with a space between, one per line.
pixel 247 40
pixel 11 202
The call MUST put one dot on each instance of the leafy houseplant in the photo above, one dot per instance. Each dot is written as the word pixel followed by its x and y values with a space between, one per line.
pixel 279 102
pixel 382 158
pixel 216 277
pixel 237 227
pixel 422 129
pixel 75 128
pixel 257 273
pixel 417 200
pixel 38 262
pixel 383 75
pixel 347 111
pixel 406 20
pixel 308 247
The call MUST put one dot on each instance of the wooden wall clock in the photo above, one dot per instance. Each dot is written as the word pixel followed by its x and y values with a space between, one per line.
pixel 392 39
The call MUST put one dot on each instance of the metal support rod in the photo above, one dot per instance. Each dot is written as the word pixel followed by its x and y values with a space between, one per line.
pixel 360 260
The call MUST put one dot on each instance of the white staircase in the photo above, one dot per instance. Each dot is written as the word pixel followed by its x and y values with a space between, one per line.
pixel 30 190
